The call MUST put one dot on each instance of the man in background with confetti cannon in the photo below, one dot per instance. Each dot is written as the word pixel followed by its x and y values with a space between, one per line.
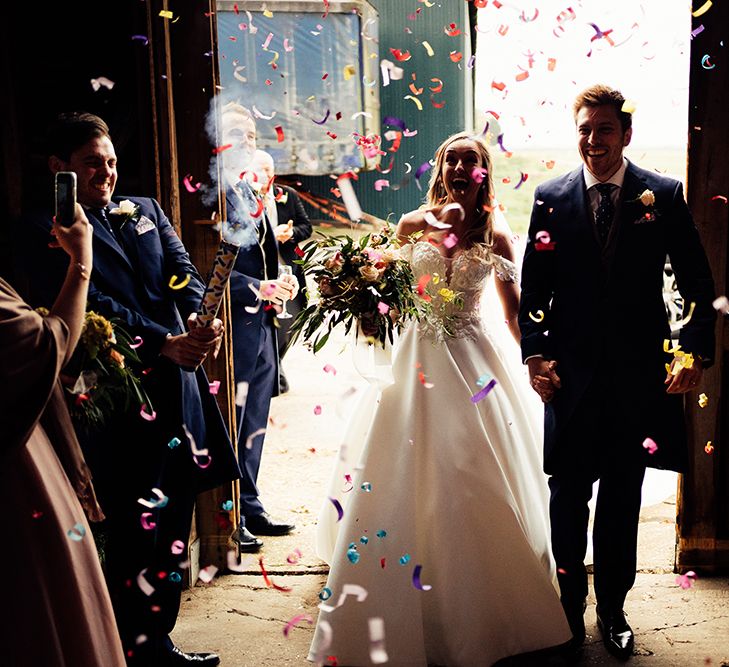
pixel 255 285
pixel 148 466
pixel 596 338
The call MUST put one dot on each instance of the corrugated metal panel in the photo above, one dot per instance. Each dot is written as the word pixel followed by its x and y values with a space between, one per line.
pixel 401 29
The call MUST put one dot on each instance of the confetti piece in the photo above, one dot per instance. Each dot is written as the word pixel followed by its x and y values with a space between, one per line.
pixel 143 584
pixel 207 574
pixel 214 387
pixel 175 577
pixel 328 368
pixel 237 74
pixel 456 56
pixel 102 81
pixel 173 443
pixel 400 56
pixel 317 409
pixel 141 38
pixel 253 436
pixel 147 522
pixel 404 559
pixel 685 581
pixel 697 31
pixel 420 171
pixel 686 319
pixel 421 378
pixel 383 308
pixel 705 62
pixel 187 182
pixel 227 505
pixel 538 316
pixel 478 174
pixel 484 392
pixel 703 400
pixel 450 240
pixel 325 594
pixel 269 582
pixel 650 445
pixel 165 14
pixel 721 304
pixel 416 579
pixel 353 555
pixel 76 533
pixel 418 103
pixel 522 179
pixel 297 619
pixel 381 183
pixel 543 236
pixel 220 149
pixel 294 556
pixel 629 106
pixel 703 9
pixel 378 654
pixel 366 487
pixel 709 448
pixel 349 71
pixel 483 380
pixel 161 500
pixel 338 507
pixel 150 417
pixel 201 456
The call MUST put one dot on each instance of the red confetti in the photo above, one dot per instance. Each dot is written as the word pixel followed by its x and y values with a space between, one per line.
pixel 399 55
pixel 499 86
pixel 332 135
pixel 279 133
pixel 220 149
pixel 456 56
pixel 424 280
pixel 268 581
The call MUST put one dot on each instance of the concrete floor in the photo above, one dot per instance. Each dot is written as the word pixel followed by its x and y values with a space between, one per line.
pixel 243 620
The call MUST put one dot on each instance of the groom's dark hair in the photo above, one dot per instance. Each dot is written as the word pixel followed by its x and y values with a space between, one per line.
pixel 601 95
pixel 71 131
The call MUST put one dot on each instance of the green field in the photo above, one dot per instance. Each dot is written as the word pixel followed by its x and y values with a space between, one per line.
pixel 533 162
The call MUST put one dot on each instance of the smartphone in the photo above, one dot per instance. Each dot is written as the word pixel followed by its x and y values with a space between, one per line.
pixel 65 197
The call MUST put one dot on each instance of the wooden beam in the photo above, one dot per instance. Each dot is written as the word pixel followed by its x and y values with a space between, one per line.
pixel 703 498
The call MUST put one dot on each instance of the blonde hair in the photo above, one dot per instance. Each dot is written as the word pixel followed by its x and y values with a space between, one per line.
pixel 437 196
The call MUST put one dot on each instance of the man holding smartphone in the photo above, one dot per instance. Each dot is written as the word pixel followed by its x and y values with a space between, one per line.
pixel 181 449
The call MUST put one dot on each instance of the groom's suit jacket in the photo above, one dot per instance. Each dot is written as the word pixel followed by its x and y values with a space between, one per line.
pixel 605 320
pixel 130 281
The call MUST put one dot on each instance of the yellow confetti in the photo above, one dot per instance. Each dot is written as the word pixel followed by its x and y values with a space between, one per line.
pixel 629 106
pixel 688 317
pixel 166 14
pixel 428 48
pixel 349 72
pixel 175 285
pixel 418 103
pixel 703 400
pixel 709 448
pixel 667 347
pixel 703 9
pixel 538 316
pixel 268 13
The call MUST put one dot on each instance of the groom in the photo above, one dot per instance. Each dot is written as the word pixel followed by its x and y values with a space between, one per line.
pixel 593 326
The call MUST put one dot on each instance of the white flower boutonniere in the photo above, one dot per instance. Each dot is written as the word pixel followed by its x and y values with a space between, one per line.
pixel 127 210
pixel 648 199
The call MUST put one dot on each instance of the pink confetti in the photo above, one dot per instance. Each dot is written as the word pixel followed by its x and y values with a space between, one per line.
pixel 685 581
pixel 328 368
pixel 137 342
pixel 383 308
pixel 146 521
pixel 294 557
pixel 215 387
pixel 286 46
pixel 268 40
pixel 147 416
pixel 450 240
pixel 650 445
pixel 187 181
pixel 178 546
pixel 317 409
pixel 416 579
pixel 381 183
pixel 297 619
pixel 478 174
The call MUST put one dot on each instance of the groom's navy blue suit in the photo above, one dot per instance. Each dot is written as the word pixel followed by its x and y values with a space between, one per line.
pixel 605 324
pixel 130 456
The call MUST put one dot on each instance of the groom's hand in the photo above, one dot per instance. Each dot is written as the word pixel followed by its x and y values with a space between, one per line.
pixel 687 379
pixel 543 377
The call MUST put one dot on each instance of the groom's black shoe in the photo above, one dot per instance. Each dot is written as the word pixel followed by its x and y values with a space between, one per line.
pixel 263 524
pixel 247 542
pixel 575 613
pixel 617 635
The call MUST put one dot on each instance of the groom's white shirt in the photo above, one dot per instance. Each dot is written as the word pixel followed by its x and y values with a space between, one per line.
pixel 616 179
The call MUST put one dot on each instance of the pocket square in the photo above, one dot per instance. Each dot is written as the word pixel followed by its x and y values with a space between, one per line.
pixel 648 216
pixel 144 225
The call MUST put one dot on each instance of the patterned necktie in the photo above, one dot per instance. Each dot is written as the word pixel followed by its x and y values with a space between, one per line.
pixel 605 211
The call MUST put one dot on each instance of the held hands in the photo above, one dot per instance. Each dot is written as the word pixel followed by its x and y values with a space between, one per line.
pixel 191 348
pixel 543 377
pixel 686 379
pixel 279 290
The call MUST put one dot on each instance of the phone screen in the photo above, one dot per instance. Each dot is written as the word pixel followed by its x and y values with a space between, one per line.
pixel 65 197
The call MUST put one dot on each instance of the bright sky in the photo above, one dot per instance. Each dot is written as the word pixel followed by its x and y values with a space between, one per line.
pixel 649 63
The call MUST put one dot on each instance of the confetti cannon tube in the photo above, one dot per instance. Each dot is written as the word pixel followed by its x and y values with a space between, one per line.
pixel 222 266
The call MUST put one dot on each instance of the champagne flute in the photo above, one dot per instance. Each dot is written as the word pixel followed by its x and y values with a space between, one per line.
pixel 284 270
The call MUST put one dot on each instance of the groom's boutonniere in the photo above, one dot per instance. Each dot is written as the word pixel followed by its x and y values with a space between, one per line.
pixel 127 211
pixel 648 199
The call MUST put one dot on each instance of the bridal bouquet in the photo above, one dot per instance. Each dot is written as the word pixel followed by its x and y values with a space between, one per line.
pixel 364 282
pixel 106 384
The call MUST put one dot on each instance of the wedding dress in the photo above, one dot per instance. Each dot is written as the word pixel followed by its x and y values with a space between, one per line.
pixel 442 554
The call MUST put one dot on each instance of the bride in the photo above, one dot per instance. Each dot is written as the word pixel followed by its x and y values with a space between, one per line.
pixel 442 554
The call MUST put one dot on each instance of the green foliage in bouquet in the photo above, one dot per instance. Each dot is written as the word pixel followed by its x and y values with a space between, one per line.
pixel 364 282
pixel 107 382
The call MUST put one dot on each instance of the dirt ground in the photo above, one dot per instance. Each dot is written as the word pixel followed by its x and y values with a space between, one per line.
pixel 244 621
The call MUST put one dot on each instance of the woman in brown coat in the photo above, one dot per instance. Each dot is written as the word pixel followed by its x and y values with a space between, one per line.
pixel 56 606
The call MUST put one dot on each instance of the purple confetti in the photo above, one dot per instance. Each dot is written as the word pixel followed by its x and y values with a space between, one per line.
pixel 141 38
pixel 420 171
pixel 323 120
pixel 393 120
pixel 482 394
pixel 338 507
pixel 501 142
pixel 698 31
pixel 416 579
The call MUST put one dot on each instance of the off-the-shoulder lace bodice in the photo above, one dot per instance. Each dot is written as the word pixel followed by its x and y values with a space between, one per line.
pixel 466 275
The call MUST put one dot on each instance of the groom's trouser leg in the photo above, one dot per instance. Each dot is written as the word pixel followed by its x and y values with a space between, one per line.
pixel 569 514
pixel 615 533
